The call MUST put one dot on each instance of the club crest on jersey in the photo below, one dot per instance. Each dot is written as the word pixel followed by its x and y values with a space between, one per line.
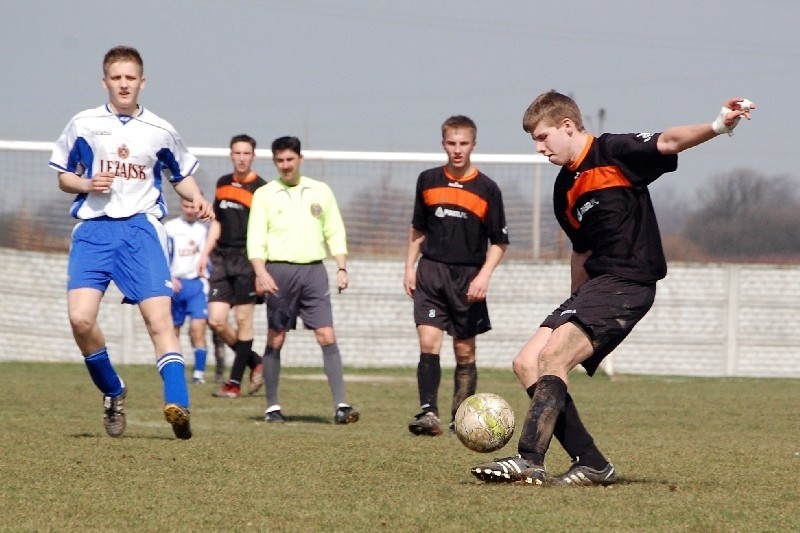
pixel 123 152
pixel 316 210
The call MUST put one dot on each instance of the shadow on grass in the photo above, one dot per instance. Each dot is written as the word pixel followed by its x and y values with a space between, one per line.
pixel 99 436
pixel 297 419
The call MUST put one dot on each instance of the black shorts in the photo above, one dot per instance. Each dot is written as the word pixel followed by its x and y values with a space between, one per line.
pixel 232 280
pixel 302 291
pixel 606 308
pixel 440 299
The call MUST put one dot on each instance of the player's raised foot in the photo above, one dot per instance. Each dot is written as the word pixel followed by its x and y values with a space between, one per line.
pixel 227 390
pixel 346 414
pixel 114 413
pixel 256 379
pixel 425 423
pixel 584 476
pixel 510 470
pixel 198 380
pixel 178 417
pixel 274 417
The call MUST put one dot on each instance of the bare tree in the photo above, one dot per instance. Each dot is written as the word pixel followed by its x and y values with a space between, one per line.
pixel 744 215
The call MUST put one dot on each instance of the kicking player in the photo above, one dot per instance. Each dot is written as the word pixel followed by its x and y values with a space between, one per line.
pixel 602 203
pixel 115 158
pixel 459 228
pixel 187 237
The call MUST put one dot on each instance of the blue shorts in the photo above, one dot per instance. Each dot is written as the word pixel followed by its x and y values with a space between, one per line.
pixel 131 252
pixel 191 301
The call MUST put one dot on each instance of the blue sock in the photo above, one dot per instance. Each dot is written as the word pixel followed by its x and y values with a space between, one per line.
pixel 200 358
pixel 103 374
pixel 171 368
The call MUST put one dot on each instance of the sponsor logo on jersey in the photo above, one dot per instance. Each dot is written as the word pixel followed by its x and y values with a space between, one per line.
pixel 226 204
pixel 441 212
pixel 101 132
pixel 316 210
pixel 120 169
pixel 584 208
pixel 455 184
pixel 569 312
pixel 645 136
pixel 191 248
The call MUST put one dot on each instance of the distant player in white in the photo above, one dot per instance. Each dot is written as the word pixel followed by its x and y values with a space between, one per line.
pixel 186 237
pixel 116 158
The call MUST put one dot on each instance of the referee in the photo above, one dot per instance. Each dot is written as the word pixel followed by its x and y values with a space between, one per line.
pixel 294 222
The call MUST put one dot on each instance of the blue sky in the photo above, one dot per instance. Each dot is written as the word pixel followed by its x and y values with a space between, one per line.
pixel 379 75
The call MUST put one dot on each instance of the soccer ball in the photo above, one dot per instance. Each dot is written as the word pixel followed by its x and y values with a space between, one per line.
pixel 484 422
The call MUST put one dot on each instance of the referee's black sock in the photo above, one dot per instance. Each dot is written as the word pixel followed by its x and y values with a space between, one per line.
pixel 429 375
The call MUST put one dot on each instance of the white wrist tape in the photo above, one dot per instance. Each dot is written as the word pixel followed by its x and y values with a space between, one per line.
pixel 719 126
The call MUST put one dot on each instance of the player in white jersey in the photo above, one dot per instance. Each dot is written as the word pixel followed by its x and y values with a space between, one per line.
pixel 187 235
pixel 116 158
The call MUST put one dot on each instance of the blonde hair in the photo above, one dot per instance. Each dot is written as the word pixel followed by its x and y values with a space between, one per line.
pixel 122 53
pixel 457 122
pixel 551 108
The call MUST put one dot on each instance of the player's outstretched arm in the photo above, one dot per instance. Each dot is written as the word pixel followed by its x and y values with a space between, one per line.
pixel 679 138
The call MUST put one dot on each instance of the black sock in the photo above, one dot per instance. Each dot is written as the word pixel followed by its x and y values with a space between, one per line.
pixel 573 436
pixel 429 375
pixel 465 382
pixel 547 405
pixel 243 350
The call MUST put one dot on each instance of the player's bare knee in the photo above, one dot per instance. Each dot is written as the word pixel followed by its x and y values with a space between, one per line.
pixel 81 325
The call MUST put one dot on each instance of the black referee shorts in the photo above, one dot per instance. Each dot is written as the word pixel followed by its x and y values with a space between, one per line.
pixel 606 308
pixel 440 299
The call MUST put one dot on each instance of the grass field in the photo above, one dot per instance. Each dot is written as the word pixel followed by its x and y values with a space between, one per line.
pixel 693 454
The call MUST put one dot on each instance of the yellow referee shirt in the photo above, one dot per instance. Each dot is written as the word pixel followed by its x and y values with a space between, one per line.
pixel 294 224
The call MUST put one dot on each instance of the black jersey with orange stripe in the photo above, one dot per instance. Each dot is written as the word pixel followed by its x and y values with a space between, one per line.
pixel 459 216
pixel 602 202
pixel 232 200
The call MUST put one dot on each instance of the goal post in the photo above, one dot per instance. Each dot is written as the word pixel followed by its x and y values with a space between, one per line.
pixel 375 192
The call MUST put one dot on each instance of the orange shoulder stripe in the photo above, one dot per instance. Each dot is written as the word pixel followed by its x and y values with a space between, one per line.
pixel 593 180
pixel 235 194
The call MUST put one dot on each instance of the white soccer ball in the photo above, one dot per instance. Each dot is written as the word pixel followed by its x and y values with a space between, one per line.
pixel 484 422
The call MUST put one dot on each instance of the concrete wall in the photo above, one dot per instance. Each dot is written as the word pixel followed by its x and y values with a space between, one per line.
pixel 708 320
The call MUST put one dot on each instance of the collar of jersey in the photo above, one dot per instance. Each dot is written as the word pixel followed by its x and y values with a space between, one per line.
pixel 250 177
pixel 468 177
pixel 578 160
pixel 122 116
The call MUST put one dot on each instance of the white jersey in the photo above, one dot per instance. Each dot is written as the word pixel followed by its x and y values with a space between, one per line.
pixel 140 151
pixel 186 241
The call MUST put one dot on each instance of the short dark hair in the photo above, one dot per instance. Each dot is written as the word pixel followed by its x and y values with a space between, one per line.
pixel 122 53
pixel 286 143
pixel 243 138
pixel 459 122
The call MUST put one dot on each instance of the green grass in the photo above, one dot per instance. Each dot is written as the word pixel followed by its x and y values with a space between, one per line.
pixel 694 454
